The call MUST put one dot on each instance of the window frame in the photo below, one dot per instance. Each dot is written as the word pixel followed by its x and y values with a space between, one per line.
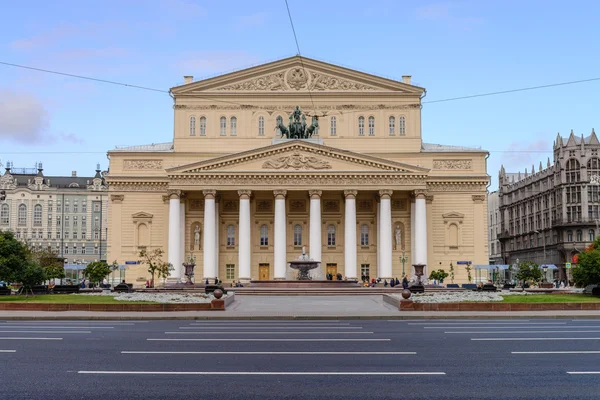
pixel 361 126
pixel 22 215
pixel 202 126
pixel 233 126
pixel 4 214
pixel 297 235
pixel 261 126
pixel 364 235
pixel 333 126
pixel 230 235
pixel 264 235
pixel 392 125
pixel 331 235
pixel 402 125
pixel 371 125
pixel 222 126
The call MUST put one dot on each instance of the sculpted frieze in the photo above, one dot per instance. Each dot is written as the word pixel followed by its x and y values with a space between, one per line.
pixel 296 161
pixel 455 187
pixel 452 164
pixel 139 186
pixel 286 180
pixel 142 164
pixel 287 107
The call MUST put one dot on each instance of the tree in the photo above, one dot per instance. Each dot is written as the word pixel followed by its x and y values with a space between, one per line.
pixel 451 273
pixel 469 276
pixel 98 270
pixel 13 257
pixel 156 266
pixel 438 275
pixel 32 274
pixel 528 271
pixel 52 265
pixel 587 271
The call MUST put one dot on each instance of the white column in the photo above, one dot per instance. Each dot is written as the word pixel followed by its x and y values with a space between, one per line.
pixel 174 244
pixel 412 237
pixel 182 237
pixel 420 228
pixel 378 225
pixel 385 221
pixel 244 254
pixel 350 234
pixel 209 238
pixel 217 225
pixel 280 240
pixel 314 240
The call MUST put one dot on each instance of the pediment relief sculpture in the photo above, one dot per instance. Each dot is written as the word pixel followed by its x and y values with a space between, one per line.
pixel 296 161
pixel 298 78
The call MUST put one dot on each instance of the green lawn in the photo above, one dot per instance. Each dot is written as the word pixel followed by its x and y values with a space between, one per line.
pixel 550 298
pixel 68 299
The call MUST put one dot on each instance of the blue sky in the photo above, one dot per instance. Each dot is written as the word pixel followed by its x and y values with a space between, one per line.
pixel 452 48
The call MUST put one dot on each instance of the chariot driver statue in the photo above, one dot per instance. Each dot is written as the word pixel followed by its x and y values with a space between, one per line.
pixel 297 128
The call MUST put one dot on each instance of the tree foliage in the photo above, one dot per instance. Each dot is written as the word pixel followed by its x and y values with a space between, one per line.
pixel 451 273
pixel 587 271
pixel 18 264
pixel 528 271
pixel 52 265
pixel 469 276
pixel 156 265
pixel 438 275
pixel 98 270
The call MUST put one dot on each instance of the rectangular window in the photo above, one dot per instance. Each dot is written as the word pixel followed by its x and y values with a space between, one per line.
pixel 82 249
pixel 49 235
pixel 84 207
pixel 96 235
pixel 74 235
pixel 333 127
pixel 67 208
pixel 96 207
pixel 365 271
pixel 66 249
pixel 223 127
pixel 75 207
pixel 230 271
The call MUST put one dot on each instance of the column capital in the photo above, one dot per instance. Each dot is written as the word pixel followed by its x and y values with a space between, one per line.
pixel 280 193
pixel 315 194
pixel 182 196
pixel 117 198
pixel 350 193
pixel 429 198
pixel 244 193
pixel 209 193
pixel 386 193
pixel 174 193
pixel 478 198
pixel 420 193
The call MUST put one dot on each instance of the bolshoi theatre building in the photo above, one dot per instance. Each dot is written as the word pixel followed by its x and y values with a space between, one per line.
pixel 294 154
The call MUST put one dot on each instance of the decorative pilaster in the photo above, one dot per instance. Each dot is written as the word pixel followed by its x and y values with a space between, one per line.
pixel 180 268
pixel 314 241
pixel 174 240
pixel 244 251
pixel 350 234
pixel 279 239
pixel 378 220
pixel 210 271
pixel 420 228
pixel 385 223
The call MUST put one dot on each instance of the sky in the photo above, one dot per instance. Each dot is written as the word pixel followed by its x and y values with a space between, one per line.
pixel 452 48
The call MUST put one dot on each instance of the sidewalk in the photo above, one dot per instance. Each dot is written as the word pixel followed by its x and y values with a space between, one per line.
pixel 298 307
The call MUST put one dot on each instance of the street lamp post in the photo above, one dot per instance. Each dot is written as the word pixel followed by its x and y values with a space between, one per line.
pixel 403 260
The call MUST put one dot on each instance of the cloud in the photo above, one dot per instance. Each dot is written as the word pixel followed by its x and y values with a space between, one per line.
pixel 71 138
pixel 523 154
pixel 205 63
pixel 449 13
pixel 23 118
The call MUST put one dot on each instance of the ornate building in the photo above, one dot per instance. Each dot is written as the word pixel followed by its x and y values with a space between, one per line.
pixel 349 178
pixel 551 215
pixel 66 214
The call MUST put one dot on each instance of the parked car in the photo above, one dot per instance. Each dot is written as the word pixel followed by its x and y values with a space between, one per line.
pixel 3 284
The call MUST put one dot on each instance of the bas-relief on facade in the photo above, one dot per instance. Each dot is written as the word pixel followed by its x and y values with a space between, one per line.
pixel 362 189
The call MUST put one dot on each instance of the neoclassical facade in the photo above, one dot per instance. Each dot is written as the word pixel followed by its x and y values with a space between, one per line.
pixel 360 195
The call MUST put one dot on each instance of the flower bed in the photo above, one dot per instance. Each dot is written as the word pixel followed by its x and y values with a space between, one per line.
pixel 162 298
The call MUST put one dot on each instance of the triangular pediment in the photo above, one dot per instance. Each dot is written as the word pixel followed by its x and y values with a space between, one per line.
pixel 297 156
pixel 141 215
pixel 297 74
pixel 453 215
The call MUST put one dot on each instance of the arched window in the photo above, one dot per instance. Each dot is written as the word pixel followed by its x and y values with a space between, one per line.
pixel 202 126
pixel 392 126
pixel 402 126
pixel 297 235
pixel 223 126
pixel 364 235
pixel 233 126
pixel 4 214
pixel 579 235
pixel 333 127
pixel 230 235
pixel 453 235
pixel 261 126
pixel 192 126
pixel 591 235
pixel 361 126
pixel 569 236
pixel 331 235
pixel 143 239
pixel 371 126
pixel 573 170
pixel 37 215
pixel 22 215
pixel 264 235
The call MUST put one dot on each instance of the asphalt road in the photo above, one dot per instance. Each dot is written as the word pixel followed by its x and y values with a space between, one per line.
pixel 283 359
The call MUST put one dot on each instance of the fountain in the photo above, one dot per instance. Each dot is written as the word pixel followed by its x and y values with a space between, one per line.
pixel 303 265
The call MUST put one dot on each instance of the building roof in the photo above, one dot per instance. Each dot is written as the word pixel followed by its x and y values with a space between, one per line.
pixel 435 148
pixel 154 147
pixel 55 181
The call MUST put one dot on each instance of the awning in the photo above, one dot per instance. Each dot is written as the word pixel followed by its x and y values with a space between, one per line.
pixel 549 266
pixel 496 266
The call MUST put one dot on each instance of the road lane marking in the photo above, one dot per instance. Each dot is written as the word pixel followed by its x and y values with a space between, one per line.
pixel 486 323
pixel 583 372
pixel 266 333
pixel 274 327
pixel 495 332
pixel 441 321
pixel 383 353
pixel 61 332
pixel 269 340
pixel 30 338
pixel 502 327
pixel 55 327
pixel 8 351
pixel 557 352
pixel 253 373
pixel 547 338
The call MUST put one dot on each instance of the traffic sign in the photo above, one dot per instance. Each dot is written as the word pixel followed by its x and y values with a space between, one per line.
pixel 567 265
pixel 463 262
